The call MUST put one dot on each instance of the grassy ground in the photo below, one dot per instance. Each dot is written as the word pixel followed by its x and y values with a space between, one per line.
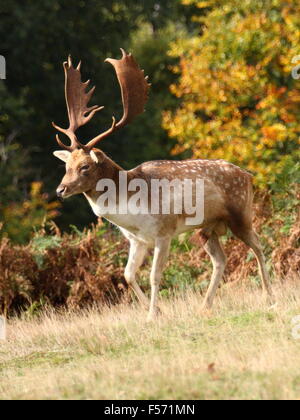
pixel 242 349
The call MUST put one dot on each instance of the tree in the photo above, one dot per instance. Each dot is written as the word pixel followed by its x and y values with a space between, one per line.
pixel 36 37
pixel 239 100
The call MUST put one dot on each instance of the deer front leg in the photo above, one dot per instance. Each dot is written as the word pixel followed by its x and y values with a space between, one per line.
pixel 136 257
pixel 161 252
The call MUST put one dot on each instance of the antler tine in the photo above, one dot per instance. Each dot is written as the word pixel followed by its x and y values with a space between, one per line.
pixel 77 100
pixel 74 141
pixel 134 91
pixel 62 145
pixel 101 136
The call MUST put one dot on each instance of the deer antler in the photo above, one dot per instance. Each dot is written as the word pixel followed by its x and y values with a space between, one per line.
pixel 134 90
pixel 77 100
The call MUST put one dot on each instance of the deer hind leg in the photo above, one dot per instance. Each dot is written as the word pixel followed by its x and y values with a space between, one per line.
pixel 250 238
pixel 136 257
pixel 218 258
pixel 161 252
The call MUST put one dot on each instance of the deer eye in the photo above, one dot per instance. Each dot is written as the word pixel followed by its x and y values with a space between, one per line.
pixel 84 168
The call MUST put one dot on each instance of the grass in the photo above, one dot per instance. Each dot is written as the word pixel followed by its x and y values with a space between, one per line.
pixel 243 349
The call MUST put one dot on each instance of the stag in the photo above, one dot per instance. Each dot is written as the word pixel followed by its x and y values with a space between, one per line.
pixel 227 199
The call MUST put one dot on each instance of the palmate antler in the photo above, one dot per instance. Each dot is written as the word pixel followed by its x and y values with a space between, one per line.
pixel 134 90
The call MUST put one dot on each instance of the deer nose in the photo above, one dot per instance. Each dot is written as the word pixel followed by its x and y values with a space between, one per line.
pixel 61 189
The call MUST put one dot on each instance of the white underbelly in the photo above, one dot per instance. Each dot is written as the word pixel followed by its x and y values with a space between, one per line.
pixel 146 228
pixel 143 227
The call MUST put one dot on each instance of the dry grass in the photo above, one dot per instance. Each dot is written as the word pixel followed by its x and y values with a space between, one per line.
pixel 243 349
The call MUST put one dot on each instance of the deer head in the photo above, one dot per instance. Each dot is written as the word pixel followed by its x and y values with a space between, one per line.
pixel 83 161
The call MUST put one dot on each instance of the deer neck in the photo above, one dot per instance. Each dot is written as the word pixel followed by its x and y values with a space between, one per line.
pixel 108 169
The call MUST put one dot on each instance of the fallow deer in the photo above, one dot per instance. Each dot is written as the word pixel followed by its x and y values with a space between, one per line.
pixel 227 188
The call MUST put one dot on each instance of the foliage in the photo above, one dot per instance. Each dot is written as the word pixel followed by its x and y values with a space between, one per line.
pixel 239 101
pixel 59 270
pixel 36 38
pixel 19 219
pixel 232 96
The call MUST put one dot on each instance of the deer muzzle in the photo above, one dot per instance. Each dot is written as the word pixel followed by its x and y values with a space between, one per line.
pixel 61 190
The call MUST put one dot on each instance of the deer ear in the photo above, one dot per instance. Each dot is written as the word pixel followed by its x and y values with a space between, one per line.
pixel 97 155
pixel 94 156
pixel 62 154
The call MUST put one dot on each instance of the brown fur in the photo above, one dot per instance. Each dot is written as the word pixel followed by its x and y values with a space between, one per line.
pixel 227 202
